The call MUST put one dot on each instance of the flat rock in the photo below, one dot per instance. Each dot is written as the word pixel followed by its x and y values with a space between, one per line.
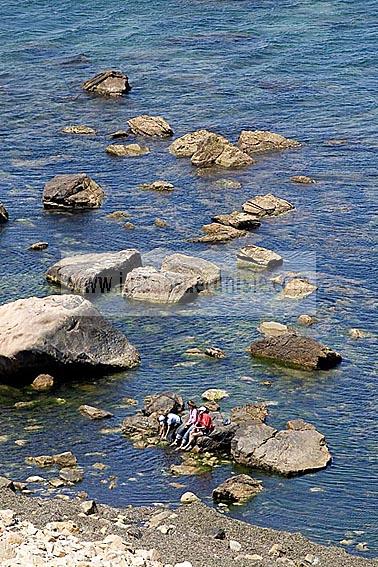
pixel 72 191
pixel 154 126
pixel 212 352
pixel 110 83
pixel 59 331
pixel 159 185
pixel 258 258
pixel 207 272
pixel 218 234
pixel 187 145
pixel 237 219
pixel 127 150
pixel 239 488
pixel 295 351
pixel 4 216
pixel 148 284
pixel 302 179
pixel 272 328
pixel 43 383
pixel 38 246
pixel 94 413
pixel 208 151
pixel 71 475
pixel 233 157
pixel 140 425
pixel 215 394
pixel 91 273
pixel 165 402
pixel 78 129
pixel 267 205
pixel 298 288
pixel 254 141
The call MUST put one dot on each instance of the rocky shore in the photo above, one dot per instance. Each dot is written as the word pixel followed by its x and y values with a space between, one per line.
pixel 56 532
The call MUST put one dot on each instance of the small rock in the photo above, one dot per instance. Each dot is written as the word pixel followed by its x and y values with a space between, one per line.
pixel 6 483
pixel 154 126
pixel 356 334
pixel 110 83
pixel 38 246
pixel 298 288
pixel 258 258
pixel 219 534
pixel 118 215
pixel 159 185
pixel 306 320
pixel 73 191
pixel 160 223
pixel 119 134
pixel 43 383
pixel 127 150
pixel 267 205
pixel 272 328
pixel 235 545
pixel 312 559
pixel 252 141
pixel 227 184
pixel 187 145
pixel 237 219
pixel 253 557
pixel 94 413
pixel 71 475
pixel 25 405
pixel 189 498
pixel 302 179
pixel 89 507
pixel 346 542
pixel 35 478
pixel 78 129
pixel 184 564
pixel 128 226
pixel 238 488
pixel 56 482
pixel 363 546
pixel 7 517
pixel 66 459
pixel 214 394
pixel 276 551
pixel 216 233
pixel 4 216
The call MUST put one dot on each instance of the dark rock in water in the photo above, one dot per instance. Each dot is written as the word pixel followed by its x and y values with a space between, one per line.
pixel 59 332
pixel 154 126
pixel 4 216
pixel 239 488
pixel 219 441
pixel 139 424
pixel 216 233
pixel 253 141
pixel 119 134
pixel 148 284
pixel 163 403
pixel 43 383
pixel 109 82
pixel 296 351
pixel 38 246
pixel 94 413
pixel 206 272
pixel 73 191
pixel 94 273
pixel 236 219
pixel 71 475
pixel 212 352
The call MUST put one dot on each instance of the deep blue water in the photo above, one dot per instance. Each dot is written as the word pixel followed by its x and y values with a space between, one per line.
pixel 305 69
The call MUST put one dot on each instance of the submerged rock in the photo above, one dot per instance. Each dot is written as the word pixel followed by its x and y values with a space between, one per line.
pixel 154 126
pixel 206 272
pixel 78 129
pixel 267 205
pixel 302 179
pixel 252 141
pixel 237 219
pixel 148 284
pixel 298 288
pixel 215 394
pixel 71 475
pixel 94 273
pixel 38 246
pixel 258 258
pixel 159 185
pixel 239 488
pixel 94 413
pixel 212 352
pixel 110 82
pixel 306 320
pixel 187 145
pixel 43 383
pixel 272 328
pixel 295 351
pixel 4 216
pixel 73 191
pixel 59 331
pixel 218 233
pixel 127 150
pixel 160 223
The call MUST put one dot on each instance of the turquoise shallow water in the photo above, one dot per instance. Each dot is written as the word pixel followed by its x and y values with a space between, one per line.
pixel 305 69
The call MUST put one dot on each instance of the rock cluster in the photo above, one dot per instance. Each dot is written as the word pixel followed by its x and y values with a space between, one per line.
pixel 72 191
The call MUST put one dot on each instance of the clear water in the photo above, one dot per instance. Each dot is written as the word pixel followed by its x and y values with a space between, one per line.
pixel 306 69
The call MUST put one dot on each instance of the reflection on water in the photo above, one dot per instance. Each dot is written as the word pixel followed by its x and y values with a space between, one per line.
pixel 226 66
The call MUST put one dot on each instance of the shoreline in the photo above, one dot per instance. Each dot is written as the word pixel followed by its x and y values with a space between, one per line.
pixel 187 533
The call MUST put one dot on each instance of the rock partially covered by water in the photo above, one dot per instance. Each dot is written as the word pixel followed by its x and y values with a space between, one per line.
pixel 78 129
pixel 127 150
pixel 267 205
pixel 94 273
pixel 59 332
pixel 187 145
pixel 232 157
pixel 4 216
pixel 109 82
pixel 239 220
pixel 148 284
pixel 289 452
pixel 72 191
pixel 252 141
pixel 206 272
pixel 298 288
pixel 295 351
pixel 258 258
pixel 239 488
pixel 216 233
pixel 94 413
pixel 154 126
pixel 304 179
pixel 216 150
pixel 163 403
pixel 272 328
pixel 159 185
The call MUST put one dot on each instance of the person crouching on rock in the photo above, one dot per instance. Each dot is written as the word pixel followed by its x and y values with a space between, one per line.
pixel 182 433
pixel 203 426
pixel 168 424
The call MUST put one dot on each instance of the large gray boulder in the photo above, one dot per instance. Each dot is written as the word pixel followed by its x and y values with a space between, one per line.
pixel 72 191
pixel 4 216
pixel 255 141
pixel 94 273
pixel 110 83
pixel 206 272
pixel 295 351
pixel 148 284
pixel 293 451
pixel 154 126
pixel 59 332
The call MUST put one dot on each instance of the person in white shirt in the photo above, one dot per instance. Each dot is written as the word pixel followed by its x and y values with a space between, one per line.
pixel 168 424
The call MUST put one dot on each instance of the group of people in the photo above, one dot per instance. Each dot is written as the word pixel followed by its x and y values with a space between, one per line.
pixel 183 435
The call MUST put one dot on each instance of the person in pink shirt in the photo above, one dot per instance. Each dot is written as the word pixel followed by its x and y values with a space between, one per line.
pixel 182 433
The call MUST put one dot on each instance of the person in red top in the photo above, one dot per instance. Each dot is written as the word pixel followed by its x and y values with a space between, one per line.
pixel 204 426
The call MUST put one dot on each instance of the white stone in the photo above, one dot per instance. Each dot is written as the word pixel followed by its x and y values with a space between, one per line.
pixel 235 545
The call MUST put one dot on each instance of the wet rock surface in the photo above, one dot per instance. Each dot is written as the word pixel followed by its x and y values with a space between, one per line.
pixel 43 383
pixel 94 273
pixel 296 351
pixel 110 83
pixel 255 141
pixel 72 191
pixel 127 150
pixel 207 272
pixel 237 219
pixel 239 488
pixel 59 331
pixel 258 258
pixel 150 285
pixel 298 288
pixel 218 233
pixel 154 126
pixel 267 206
